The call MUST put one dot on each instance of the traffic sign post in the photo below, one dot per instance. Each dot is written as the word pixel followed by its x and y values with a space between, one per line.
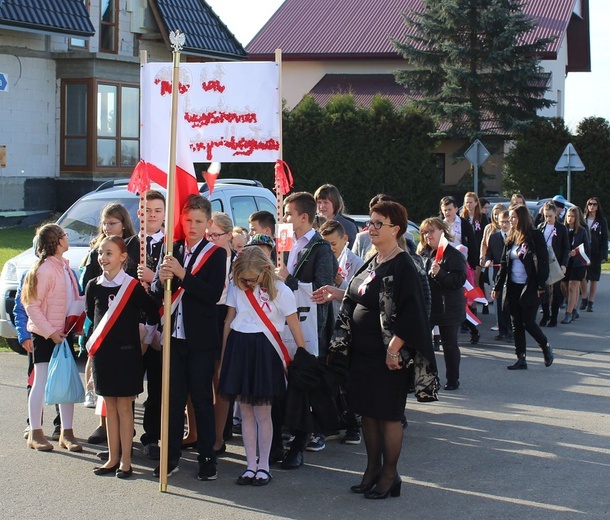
pixel 3 82
pixel 569 162
pixel 477 154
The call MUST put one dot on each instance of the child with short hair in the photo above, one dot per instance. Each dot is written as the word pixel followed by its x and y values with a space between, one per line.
pixel 254 357
pixel 115 302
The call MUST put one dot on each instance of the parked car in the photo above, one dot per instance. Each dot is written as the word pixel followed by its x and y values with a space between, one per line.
pixel 533 206
pixel 239 198
pixel 412 227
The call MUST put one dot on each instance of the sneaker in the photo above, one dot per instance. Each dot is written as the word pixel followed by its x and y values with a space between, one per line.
pixel 56 432
pixel 152 451
pixel 351 437
pixel 207 470
pixel 333 435
pixel 171 469
pixel 317 443
pixel 495 328
pixel 90 399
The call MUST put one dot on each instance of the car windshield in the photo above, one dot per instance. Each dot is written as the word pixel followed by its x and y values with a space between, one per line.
pixel 81 222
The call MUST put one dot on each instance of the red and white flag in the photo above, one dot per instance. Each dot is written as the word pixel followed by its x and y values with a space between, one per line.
pixel 443 243
pixel 211 174
pixel 474 294
pixel 471 317
pixel 580 253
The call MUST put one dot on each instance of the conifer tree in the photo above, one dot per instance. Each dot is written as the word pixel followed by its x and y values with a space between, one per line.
pixel 474 69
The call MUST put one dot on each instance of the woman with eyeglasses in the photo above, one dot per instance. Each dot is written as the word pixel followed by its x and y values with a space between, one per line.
pixel 446 267
pixel 524 270
pixel 598 231
pixel 383 311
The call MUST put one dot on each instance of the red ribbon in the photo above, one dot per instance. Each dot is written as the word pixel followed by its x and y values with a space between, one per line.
pixel 140 179
pixel 283 181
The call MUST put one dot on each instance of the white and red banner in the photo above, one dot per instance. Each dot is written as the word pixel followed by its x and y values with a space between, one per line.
pixel 230 111
pixel 580 253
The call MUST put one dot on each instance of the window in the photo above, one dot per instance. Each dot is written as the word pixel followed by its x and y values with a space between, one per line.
pixel 79 43
pixel 100 126
pixel 109 22
pixel 440 167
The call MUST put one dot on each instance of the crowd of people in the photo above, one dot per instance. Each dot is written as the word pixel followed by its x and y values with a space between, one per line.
pixel 244 354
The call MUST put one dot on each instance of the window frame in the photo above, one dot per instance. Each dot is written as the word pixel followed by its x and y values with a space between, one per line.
pixel 114 24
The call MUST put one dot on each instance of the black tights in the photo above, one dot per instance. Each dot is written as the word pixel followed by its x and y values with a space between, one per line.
pixel 383 441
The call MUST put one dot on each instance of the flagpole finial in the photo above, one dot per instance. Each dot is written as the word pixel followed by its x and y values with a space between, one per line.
pixel 177 39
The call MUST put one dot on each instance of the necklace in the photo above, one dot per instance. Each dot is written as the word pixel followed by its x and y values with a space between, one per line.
pixel 387 257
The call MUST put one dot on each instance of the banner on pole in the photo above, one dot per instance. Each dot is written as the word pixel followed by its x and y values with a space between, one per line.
pixel 230 112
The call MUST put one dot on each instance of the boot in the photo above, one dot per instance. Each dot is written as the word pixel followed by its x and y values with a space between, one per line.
pixel 553 321
pixel 521 364
pixel 67 440
pixel 583 304
pixel 37 441
pixel 575 315
pixel 547 351
pixel 567 318
pixel 590 307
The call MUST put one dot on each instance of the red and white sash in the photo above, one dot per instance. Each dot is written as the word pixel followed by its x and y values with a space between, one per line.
pixel 115 308
pixel 268 328
pixel 202 258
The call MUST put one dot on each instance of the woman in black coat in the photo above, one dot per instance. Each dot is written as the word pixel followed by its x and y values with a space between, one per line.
pixel 524 270
pixel 447 274
pixel 598 231
pixel 577 267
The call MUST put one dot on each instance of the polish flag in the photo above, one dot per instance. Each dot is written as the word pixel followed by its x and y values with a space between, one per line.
pixel 580 253
pixel 443 243
pixel 471 317
pixel 211 175
pixel 474 294
pixel 155 141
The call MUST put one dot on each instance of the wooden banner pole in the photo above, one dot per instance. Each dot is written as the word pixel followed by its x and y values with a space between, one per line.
pixel 278 192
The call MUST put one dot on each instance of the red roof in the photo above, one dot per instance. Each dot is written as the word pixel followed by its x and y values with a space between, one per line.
pixel 327 29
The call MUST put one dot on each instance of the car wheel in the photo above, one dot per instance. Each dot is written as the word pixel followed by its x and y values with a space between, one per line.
pixel 15 346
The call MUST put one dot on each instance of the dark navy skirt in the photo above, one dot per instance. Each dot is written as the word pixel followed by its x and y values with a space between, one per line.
pixel 252 372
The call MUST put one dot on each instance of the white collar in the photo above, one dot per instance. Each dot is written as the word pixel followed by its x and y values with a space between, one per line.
pixel 307 236
pixel 156 237
pixel 117 281
pixel 190 251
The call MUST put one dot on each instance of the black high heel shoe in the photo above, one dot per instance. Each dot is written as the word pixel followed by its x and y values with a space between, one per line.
pixel 365 488
pixel 393 491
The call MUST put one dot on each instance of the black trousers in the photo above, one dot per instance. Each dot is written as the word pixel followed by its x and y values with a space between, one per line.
pixel 503 315
pixel 451 350
pixel 152 407
pixel 191 373
pixel 524 319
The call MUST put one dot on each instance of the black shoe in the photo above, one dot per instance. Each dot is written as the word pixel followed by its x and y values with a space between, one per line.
pixel 583 304
pixel 221 450
pixel 590 307
pixel 544 321
pixel 475 336
pixel 365 488
pixel 56 432
pixel 100 470
pixel 575 315
pixel 276 455
pixel 261 481
pixel 452 385
pixel 171 469
pixel 547 351
pixel 552 322
pixel 393 491
pixel 500 337
pixel 207 470
pixel 124 473
pixel 98 436
pixel 521 364
pixel 567 319
pixel 244 479
pixel 292 460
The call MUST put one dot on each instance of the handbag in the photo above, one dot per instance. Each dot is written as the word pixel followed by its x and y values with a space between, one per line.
pixel 555 272
pixel 64 385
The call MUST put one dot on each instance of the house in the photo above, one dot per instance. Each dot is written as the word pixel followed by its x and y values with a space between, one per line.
pixel 344 46
pixel 69 88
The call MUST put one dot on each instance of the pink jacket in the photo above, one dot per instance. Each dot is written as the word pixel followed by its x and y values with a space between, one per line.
pixel 47 313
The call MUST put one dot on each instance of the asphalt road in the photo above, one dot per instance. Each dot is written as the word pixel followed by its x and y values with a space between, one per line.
pixel 530 444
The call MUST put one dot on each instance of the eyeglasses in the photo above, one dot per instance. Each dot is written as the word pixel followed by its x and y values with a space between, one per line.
pixel 249 280
pixel 429 232
pixel 377 225
pixel 591 203
pixel 216 236
pixel 63 235
pixel 111 224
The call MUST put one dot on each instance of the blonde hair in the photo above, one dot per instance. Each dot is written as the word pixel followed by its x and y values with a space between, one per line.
pixel 436 223
pixel 253 260
pixel 47 242
pixel 223 221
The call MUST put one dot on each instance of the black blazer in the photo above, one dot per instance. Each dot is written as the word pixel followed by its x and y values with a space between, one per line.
pixel 559 242
pixel 495 250
pixel 536 277
pixel 575 239
pixel 599 240
pixel 201 293
pixel 447 288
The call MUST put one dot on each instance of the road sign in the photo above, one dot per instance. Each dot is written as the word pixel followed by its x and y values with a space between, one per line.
pixel 570 160
pixel 477 154
pixel 3 82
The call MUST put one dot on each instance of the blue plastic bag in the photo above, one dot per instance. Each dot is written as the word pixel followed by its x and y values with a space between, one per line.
pixel 64 385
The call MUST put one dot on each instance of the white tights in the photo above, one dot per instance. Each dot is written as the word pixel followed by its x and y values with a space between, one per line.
pixel 256 425
pixel 36 401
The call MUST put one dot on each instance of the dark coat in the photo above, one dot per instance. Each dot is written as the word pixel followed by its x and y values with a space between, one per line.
pixel 582 237
pixel 495 249
pixel 447 288
pixel 201 293
pixel 560 242
pixel 599 240
pixel 536 277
